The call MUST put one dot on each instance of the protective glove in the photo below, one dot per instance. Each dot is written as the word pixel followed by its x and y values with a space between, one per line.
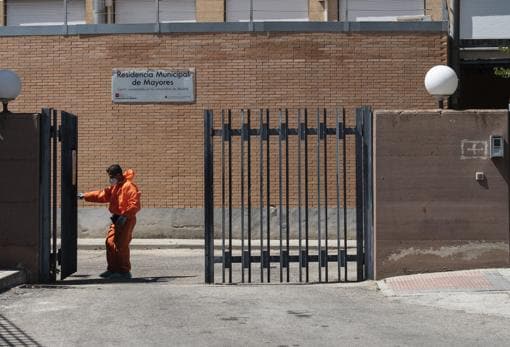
pixel 121 220
pixel 81 196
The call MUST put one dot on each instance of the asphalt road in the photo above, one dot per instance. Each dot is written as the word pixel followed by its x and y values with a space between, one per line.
pixel 167 305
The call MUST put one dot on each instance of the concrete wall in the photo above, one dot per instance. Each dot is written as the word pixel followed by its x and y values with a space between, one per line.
pixel 430 212
pixel 19 197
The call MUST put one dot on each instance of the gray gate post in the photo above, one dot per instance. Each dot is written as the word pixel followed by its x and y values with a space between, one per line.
pixel 368 211
pixel 208 197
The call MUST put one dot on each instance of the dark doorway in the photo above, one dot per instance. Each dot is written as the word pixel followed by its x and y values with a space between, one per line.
pixel 481 88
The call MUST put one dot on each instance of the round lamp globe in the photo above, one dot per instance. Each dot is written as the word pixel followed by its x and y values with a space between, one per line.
pixel 441 80
pixel 10 85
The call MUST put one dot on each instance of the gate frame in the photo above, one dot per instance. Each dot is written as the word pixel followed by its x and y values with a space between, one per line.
pixel 364 187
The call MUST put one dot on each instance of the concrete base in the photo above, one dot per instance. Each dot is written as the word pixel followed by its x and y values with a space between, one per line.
pixel 9 279
pixel 187 223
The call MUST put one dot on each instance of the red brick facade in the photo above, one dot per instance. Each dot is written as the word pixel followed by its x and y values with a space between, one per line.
pixel 163 143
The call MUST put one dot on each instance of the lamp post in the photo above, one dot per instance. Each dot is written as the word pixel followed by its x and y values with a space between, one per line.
pixel 10 87
pixel 441 81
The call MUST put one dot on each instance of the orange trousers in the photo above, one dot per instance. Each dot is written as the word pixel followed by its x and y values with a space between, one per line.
pixel 117 246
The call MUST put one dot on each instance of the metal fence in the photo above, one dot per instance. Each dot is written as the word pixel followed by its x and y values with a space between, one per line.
pixel 293 163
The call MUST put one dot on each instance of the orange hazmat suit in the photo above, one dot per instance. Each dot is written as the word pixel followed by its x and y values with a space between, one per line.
pixel 124 199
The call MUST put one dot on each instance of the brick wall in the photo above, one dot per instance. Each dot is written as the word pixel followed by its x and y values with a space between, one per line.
pixel 163 143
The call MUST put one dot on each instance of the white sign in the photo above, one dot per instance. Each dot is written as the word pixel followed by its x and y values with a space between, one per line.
pixel 153 85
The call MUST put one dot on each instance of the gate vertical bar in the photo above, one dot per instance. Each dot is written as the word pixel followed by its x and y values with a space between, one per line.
pixel 68 192
pixel 325 126
pixel 242 195
pixel 268 196
pixel 54 257
pixel 337 185
pixel 318 166
pixel 300 246
pixel 223 139
pixel 261 193
pixel 344 171
pixel 45 194
pixel 208 197
pixel 248 139
pixel 280 185
pixel 229 260
pixel 368 198
pixel 359 194
pixel 307 272
pixel 287 224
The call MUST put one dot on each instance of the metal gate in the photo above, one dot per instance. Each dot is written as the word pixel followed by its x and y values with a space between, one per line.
pixel 295 196
pixel 57 252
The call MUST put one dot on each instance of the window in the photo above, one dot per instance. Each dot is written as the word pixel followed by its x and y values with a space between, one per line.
pixel 381 10
pixel 489 19
pixel 47 12
pixel 267 10
pixel 144 11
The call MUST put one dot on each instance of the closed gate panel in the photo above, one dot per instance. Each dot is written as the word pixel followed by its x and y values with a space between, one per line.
pixel 69 191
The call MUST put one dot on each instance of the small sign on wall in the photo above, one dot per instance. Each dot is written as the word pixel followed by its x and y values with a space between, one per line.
pixel 153 85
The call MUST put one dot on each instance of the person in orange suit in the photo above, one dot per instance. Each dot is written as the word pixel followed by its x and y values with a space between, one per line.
pixel 123 197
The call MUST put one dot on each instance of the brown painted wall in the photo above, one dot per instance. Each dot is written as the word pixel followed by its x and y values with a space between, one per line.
pixel 163 143
pixel 19 198
pixel 430 212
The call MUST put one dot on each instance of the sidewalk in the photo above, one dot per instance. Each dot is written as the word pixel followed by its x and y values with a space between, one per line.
pixel 11 278
pixel 482 291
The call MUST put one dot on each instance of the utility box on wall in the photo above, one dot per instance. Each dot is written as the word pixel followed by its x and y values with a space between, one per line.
pixel 441 191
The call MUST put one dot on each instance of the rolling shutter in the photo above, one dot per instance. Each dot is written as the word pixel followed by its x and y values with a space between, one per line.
pixel 46 12
pixel 488 19
pixel 382 10
pixel 144 11
pixel 267 10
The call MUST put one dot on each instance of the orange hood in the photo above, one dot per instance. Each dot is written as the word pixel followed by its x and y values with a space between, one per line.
pixel 129 174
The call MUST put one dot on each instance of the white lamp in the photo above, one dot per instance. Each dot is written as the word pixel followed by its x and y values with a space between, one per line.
pixel 441 82
pixel 10 87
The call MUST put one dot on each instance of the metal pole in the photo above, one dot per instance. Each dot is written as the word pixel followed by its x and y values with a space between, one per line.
pixel 249 194
pixel 300 133
pixel 156 2
pixel 65 17
pixel 280 186
pixel 54 197
pixel 251 16
pixel 326 192
pixel 268 197
pixel 359 194
pixel 318 165
pixel 208 197
pixel 287 224
pixel 229 195
pixel 306 197
pixel 261 193
pixel 344 162
pixel 337 195
pixel 223 139
pixel 242 195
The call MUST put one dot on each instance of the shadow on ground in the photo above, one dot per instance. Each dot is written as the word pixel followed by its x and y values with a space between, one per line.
pixel 92 281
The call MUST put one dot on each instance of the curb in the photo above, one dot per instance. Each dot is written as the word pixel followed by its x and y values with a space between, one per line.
pixel 11 278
